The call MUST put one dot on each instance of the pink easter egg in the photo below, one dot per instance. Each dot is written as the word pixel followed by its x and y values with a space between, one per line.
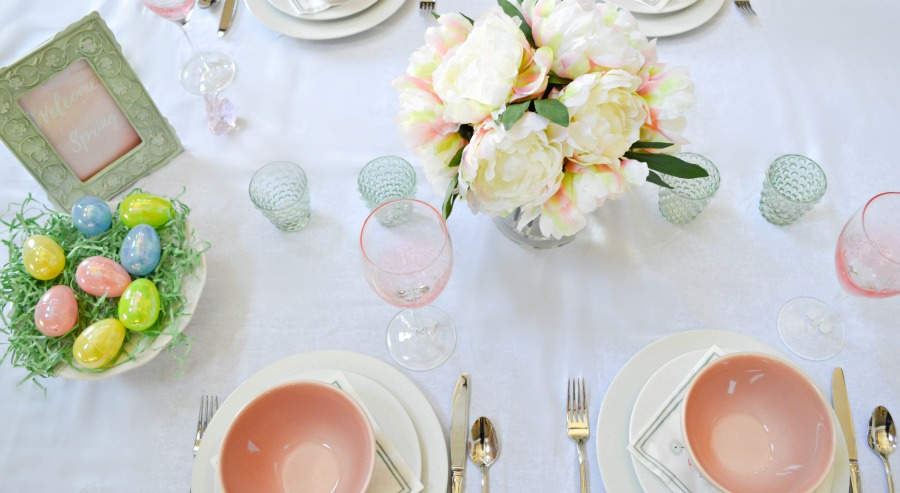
pixel 56 313
pixel 101 275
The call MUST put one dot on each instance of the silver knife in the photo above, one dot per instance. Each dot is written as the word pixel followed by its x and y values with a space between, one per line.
pixel 459 433
pixel 228 12
pixel 842 410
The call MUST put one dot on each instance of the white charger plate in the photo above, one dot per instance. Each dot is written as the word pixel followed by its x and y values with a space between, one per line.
pixel 636 7
pixel 615 413
pixel 660 386
pixel 192 288
pixel 432 447
pixel 318 30
pixel 682 21
pixel 352 7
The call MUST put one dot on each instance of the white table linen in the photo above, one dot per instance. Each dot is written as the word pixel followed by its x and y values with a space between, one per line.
pixel 817 78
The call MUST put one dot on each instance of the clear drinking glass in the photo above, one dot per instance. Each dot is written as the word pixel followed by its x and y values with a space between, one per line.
pixel 386 178
pixel 281 192
pixel 408 264
pixel 204 73
pixel 867 260
pixel 792 186
pixel 687 198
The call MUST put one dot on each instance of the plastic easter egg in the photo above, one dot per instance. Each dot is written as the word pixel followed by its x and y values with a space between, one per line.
pixel 139 305
pixel 91 216
pixel 140 250
pixel 145 208
pixel 102 276
pixel 56 312
pixel 44 259
pixel 99 344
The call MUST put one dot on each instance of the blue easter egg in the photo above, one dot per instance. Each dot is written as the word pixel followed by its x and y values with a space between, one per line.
pixel 140 250
pixel 91 216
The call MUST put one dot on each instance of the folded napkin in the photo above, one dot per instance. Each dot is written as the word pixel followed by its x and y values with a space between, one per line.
pixel 659 446
pixel 392 474
pixel 655 5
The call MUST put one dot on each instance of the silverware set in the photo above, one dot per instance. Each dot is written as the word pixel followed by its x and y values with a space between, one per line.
pixel 480 444
pixel 227 13
pixel 578 424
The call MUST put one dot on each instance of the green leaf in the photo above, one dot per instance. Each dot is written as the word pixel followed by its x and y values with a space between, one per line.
pixel 557 80
pixel 436 15
pixel 657 180
pixel 467 18
pixel 451 197
pixel 553 110
pixel 513 113
pixel 457 158
pixel 670 165
pixel 651 145
pixel 512 11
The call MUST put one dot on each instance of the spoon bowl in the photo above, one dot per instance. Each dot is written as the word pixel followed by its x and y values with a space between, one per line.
pixel 883 438
pixel 484 448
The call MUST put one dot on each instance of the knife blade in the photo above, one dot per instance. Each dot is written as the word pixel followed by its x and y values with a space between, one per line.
pixel 228 11
pixel 842 411
pixel 459 433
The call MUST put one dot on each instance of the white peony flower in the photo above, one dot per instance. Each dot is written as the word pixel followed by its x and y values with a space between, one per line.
pixel 480 75
pixel 504 169
pixel 605 117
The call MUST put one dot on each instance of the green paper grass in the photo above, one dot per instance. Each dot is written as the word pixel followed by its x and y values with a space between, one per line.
pixel 40 355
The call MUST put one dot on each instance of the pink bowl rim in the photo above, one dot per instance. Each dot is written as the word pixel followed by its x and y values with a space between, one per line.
pixel 370 433
pixel 793 368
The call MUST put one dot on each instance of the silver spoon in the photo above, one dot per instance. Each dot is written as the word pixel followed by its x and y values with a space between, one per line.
pixel 205 4
pixel 882 438
pixel 484 447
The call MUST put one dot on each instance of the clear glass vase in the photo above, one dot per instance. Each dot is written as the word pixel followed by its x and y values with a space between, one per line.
pixel 530 234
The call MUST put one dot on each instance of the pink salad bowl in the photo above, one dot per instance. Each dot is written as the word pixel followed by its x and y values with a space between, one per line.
pixel 755 423
pixel 299 437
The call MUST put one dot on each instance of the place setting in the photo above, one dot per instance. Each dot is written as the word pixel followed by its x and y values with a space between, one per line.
pixel 661 18
pixel 322 19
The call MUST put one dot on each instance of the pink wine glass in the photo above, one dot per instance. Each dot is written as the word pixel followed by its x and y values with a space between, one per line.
pixel 204 73
pixel 407 257
pixel 867 259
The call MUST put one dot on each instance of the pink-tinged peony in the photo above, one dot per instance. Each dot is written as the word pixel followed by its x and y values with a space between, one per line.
pixel 504 169
pixel 493 65
pixel 586 37
pixel 605 117
pixel 435 158
pixel 668 92
pixel 451 31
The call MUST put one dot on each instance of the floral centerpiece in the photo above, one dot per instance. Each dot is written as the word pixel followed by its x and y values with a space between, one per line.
pixel 547 108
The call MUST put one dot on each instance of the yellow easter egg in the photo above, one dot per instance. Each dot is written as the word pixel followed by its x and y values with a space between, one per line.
pixel 145 208
pixel 44 259
pixel 99 344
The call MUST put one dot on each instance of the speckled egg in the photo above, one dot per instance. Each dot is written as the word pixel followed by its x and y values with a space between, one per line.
pixel 139 305
pixel 99 344
pixel 56 312
pixel 140 250
pixel 102 275
pixel 91 216
pixel 44 259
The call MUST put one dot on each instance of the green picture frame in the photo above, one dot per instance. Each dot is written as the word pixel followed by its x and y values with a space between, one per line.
pixel 75 114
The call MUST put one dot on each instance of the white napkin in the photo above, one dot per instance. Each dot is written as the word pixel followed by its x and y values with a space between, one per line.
pixel 655 5
pixel 660 447
pixel 392 474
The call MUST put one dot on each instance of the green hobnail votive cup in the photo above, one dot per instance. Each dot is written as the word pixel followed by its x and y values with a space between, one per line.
pixel 792 186
pixel 386 178
pixel 687 198
pixel 280 191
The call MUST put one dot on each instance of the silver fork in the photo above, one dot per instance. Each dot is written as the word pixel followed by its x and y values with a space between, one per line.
pixel 208 406
pixel 744 6
pixel 426 5
pixel 577 423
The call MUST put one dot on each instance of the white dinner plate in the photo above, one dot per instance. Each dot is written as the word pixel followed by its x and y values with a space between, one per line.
pixel 682 21
pixel 660 386
pixel 316 29
pixel 192 289
pixel 352 7
pixel 615 413
pixel 637 7
pixel 432 446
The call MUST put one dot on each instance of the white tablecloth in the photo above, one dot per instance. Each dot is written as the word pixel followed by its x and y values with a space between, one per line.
pixel 817 78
